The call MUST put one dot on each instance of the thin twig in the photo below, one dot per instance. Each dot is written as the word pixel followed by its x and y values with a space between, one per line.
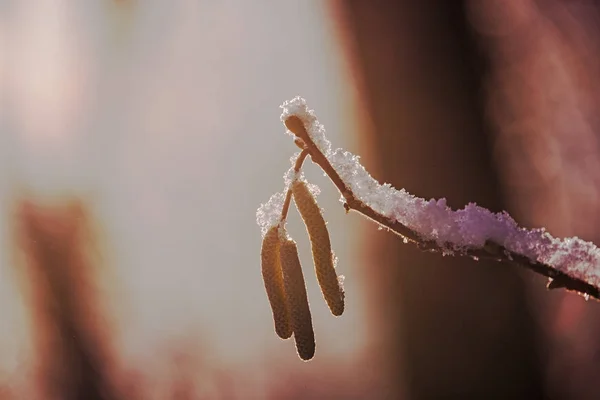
pixel 288 195
pixel 491 250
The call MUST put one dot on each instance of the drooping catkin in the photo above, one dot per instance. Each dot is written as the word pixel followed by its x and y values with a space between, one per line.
pixel 273 279
pixel 323 257
pixel 295 289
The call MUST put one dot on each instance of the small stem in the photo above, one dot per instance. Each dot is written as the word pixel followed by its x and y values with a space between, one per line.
pixel 491 250
pixel 288 195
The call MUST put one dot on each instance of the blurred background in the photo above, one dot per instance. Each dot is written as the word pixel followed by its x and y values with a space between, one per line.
pixel 137 140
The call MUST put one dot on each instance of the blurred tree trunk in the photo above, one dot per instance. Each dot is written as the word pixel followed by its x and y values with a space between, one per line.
pixel 458 328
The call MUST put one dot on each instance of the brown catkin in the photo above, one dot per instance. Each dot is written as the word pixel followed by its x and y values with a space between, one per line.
pixel 295 288
pixel 310 211
pixel 273 279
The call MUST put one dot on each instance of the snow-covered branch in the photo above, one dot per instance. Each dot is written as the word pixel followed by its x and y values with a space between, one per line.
pixel 473 231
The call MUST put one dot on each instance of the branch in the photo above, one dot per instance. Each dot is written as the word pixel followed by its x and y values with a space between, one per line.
pixel 574 264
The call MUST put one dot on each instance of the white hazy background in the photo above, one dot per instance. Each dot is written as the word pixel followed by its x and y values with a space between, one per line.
pixel 163 117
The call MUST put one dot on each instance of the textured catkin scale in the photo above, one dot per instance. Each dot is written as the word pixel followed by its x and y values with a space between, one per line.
pixel 295 288
pixel 273 279
pixel 310 211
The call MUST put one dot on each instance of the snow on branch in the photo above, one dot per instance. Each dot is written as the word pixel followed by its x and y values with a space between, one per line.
pixel 474 231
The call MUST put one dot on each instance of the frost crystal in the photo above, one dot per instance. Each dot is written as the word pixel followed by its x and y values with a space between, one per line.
pixel 470 227
pixel 297 106
pixel 268 213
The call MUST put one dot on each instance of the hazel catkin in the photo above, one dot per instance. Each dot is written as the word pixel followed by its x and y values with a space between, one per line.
pixel 323 257
pixel 295 289
pixel 273 279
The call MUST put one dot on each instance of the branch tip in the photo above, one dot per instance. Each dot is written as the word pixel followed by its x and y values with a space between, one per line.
pixel 296 126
